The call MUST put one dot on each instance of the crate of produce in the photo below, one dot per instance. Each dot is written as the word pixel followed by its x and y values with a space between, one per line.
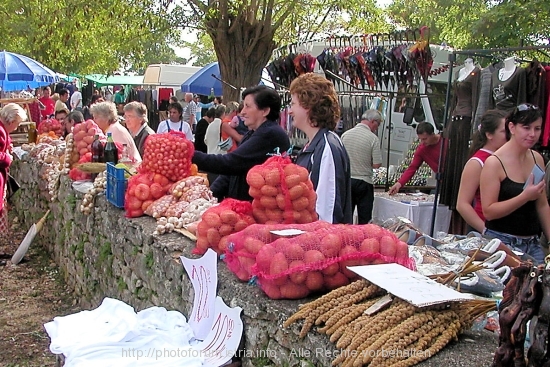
pixel 116 185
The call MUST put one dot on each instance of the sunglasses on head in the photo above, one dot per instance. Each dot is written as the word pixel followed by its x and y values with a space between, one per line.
pixel 526 107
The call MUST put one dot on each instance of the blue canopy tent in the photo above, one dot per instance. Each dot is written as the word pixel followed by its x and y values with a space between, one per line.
pixel 202 81
pixel 18 72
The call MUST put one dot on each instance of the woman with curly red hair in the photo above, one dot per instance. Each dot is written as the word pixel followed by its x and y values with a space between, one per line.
pixel 316 112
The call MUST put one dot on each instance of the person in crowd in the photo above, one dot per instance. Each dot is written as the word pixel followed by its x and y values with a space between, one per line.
pixel 190 111
pixel 106 117
pixel 108 94
pixel 61 116
pixel 202 126
pixel 61 103
pixel 489 136
pixel 135 115
pixel 237 122
pixel 200 106
pixel 73 118
pixel 93 100
pixel 228 131
pixel 261 111
pixel 120 96
pixel 76 100
pixel 315 110
pixel 514 205
pixel 213 134
pixel 48 103
pixel 11 115
pixel 173 99
pixel 428 151
pixel 175 122
pixel 363 148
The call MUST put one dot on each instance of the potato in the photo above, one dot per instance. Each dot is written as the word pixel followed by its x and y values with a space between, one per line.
pixel 254 192
pixel 297 277
pixel 331 269
pixel 314 257
pixel 293 291
pixel 300 204
pixel 273 177
pixel 255 179
pixel 402 252
pixel 213 237
pixel 222 245
pixel 336 281
pixel 259 216
pixel 331 245
pixel 253 245
pixel 228 216
pixel 212 219
pixel 292 180
pixel 305 217
pixel 279 265
pixel 388 246
pixel 269 202
pixel 370 246
pixel 292 250
pixel 315 281
pixel 240 225
pixel 225 229
pixel 268 190
pixel 274 215
pixel 202 245
pixel 282 202
pixel 264 257
pixel 271 290
pixel 296 192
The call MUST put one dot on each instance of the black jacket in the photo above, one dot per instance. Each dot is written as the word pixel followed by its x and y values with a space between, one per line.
pixel 329 169
pixel 233 167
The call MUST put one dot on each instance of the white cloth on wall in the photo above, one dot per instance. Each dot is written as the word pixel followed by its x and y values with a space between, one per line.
pixel 113 335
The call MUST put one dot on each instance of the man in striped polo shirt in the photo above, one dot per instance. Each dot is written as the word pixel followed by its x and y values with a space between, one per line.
pixel 363 148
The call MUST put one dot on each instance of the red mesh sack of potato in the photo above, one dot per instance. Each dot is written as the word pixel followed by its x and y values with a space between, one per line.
pixel 143 189
pixel 317 261
pixel 50 125
pixel 282 192
pixel 168 154
pixel 83 135
pixel 220 221
pixel 243 246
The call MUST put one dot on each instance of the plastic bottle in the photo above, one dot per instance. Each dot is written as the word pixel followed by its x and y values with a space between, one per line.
pixel 125 156
pixel 111 151
pixel 33 133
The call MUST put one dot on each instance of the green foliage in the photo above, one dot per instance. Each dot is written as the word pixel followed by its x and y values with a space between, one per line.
pixel 88 37
pixel 149 261
pixel 121 284
pixel 202 50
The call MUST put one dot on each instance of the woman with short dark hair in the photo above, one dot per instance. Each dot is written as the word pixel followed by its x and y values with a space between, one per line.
pixel 261 110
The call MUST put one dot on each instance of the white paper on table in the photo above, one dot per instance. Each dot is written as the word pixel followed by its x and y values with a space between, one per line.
pixel 408 285
pixel 203 273
pixel 224 337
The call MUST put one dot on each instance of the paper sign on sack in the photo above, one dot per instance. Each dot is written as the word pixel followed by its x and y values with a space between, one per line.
pixel 203 274
pixel 406 284
pixel 225 335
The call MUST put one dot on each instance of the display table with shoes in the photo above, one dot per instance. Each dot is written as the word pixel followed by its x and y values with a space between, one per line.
pixel 416 208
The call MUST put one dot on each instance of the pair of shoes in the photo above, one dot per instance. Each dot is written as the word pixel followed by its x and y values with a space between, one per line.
pixel 492 248
pixel 408 236
pixel 425 240
pixel 482 283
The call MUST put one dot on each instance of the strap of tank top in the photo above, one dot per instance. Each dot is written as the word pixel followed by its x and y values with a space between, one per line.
pixel 506 173
pixel 533 154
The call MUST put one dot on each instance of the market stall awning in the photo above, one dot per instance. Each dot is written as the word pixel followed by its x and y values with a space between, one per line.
pixel 19 72
pixel 102 80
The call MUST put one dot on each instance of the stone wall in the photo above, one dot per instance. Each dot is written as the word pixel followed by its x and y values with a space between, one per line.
pixel 107 255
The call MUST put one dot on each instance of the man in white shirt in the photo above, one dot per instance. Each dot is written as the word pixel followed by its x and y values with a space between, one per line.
pixel 175 122
pixel 190 111
pixel 76 100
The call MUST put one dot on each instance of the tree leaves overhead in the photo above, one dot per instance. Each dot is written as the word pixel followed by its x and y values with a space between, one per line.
pixel 89 37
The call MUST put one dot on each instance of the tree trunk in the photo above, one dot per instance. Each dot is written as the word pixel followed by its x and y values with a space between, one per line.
pixel 243 50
